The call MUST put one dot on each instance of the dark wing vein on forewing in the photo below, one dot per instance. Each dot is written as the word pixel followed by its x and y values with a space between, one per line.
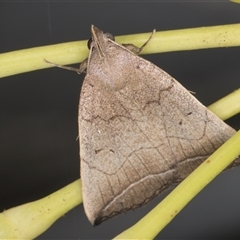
pixel 137 124
pixel 140 159
pixel 145 135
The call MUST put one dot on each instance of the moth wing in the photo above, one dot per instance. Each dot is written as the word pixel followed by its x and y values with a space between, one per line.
pixel 140 138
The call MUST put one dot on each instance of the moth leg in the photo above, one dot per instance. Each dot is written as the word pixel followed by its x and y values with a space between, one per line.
pixel 136 49
pixel 82 68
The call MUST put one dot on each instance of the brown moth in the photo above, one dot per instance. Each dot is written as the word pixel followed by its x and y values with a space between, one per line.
pixel 140 131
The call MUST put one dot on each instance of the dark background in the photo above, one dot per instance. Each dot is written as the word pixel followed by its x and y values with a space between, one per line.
pixel 39 151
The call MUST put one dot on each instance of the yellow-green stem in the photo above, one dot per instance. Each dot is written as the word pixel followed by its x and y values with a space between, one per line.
pixel 29 220
pixel 166 41
pixel 228 106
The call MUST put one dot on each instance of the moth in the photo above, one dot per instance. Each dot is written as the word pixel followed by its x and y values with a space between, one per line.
pixel 140 131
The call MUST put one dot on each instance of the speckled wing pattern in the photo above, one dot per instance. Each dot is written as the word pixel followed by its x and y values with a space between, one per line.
pixel 140 132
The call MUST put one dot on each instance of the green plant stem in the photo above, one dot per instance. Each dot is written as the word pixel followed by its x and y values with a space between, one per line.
pixel 227 106
pixel 166 41
pixel 235 1
pixel 29 220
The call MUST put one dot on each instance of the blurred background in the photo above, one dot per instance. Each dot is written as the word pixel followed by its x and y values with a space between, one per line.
pixel 39 153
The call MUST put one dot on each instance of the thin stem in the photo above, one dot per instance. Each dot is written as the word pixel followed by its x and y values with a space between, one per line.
pixel 166 41
pixel 228 106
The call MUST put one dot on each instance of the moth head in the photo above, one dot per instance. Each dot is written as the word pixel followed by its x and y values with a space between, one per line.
pixel 98 39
